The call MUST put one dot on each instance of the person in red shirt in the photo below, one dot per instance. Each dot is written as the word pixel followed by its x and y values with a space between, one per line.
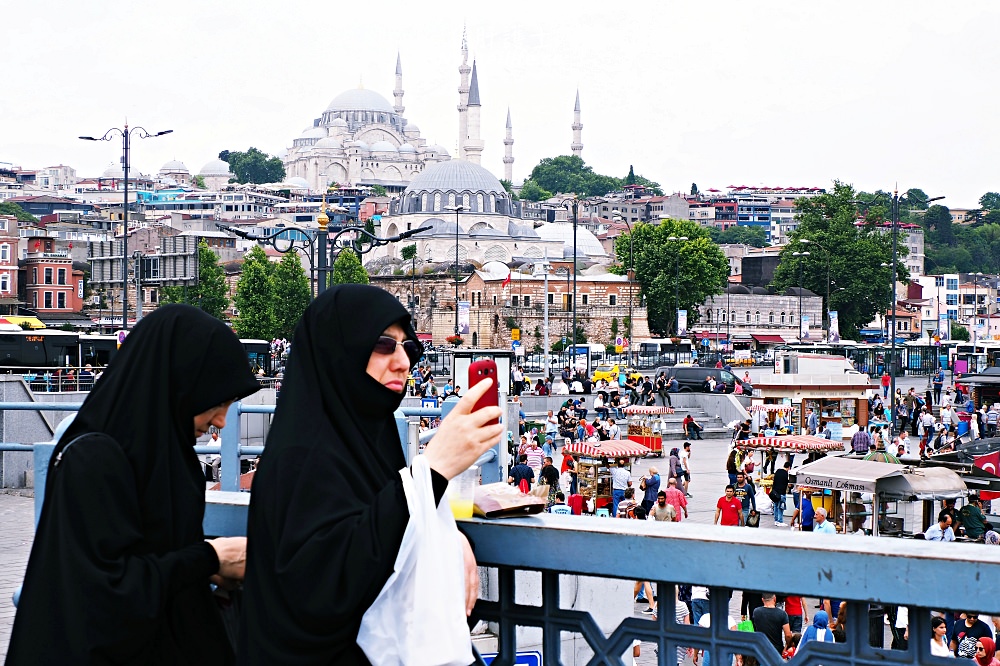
pixel 886 381
pixel 729 509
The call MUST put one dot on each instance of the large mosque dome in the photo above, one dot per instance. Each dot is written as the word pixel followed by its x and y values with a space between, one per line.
pixel 216 167
pixel 360 99
pixel 456 176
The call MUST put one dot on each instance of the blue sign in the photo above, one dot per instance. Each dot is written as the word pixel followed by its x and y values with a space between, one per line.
pixel 527 658
pixel 706 343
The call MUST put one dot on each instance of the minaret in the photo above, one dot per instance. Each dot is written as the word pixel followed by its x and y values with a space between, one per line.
pixel 473 144
pixel 508 152
pixel 463 98
pixel 577 146
pixel 398 92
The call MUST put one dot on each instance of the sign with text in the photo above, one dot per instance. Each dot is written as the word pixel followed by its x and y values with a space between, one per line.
pixel 526 658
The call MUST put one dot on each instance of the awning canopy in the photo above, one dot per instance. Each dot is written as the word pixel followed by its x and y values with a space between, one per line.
pixel 771 408
pixel 791 444
pixel 901 482
pixel 708 335
pixel 769 339
pixel 609 448
pixel 648 409
pixel 32 322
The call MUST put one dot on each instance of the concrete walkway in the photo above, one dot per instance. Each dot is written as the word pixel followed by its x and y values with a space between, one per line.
pixel 17 528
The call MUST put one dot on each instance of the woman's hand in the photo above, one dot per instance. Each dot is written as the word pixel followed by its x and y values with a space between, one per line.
pixel 471 575
pixel 464 435
pixel 232 554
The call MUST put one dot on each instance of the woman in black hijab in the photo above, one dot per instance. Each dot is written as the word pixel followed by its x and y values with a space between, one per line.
pixel 328 512
pixel 119 568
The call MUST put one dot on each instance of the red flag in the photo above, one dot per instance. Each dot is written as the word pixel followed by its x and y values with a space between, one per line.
pixel 506 281
pixel 988 463
pixel 38 244
pixel 71 245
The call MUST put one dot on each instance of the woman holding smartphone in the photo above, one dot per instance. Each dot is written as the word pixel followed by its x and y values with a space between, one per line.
pixel 328 510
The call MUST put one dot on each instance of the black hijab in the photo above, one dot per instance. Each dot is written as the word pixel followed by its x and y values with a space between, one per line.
pixel 327 513
pixel 119 561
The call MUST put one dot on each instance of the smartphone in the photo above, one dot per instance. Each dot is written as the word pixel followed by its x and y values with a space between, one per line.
pixel 478 371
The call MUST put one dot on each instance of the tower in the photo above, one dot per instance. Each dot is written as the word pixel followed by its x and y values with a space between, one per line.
pixel 508 152
pixel 463 97
pixel 577 146
pixel 398 92
pixel 473 144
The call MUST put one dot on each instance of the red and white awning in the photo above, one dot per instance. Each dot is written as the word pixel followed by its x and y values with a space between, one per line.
pixel 791 444
pixel 648 409
pixel 609 448
pixel 771 408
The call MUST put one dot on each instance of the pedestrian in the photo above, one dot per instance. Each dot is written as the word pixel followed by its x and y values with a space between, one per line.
pixel 779 489
pixel 328 510
pixel 621 479
pixel 728 510
pixel 119 561
pixel 651 485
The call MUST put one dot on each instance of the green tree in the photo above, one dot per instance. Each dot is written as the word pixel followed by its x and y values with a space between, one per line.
pixel 990 201
pixel 255 297
pixel 959 332
pixel 509 187
pixel 291 294
pixel 630 178
pixel 11 208
pixel 829 222
pixel 254 166
pixel 199 182
pixel 694 189
pixel 210 293
pixel 347 268
pixel 530 191
pixel 938 218
pixel 569 174
pixel 698 263
pixel 649 185
pixel 378 191
pixel 739 235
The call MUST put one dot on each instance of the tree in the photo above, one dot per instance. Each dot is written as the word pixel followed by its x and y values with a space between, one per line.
pixel 829 222
pixel 291 294
pixel 11 208
pixel 509 187
pixel 199 182
pixel 347 268
pixel 959 332
pixel 379 191
pixel 694 189
pixel 990 201
pixel 698 263
pixel 752 236
pixel 530 191
pixel 254 166
pixel 209 293
pixel 255 297
pixel 630 178
pixel 938 218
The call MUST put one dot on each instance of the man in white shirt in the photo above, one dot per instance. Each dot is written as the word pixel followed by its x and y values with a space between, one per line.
pixel 614 431
pixel 821 524
pixel 685 456
pixel 941 531
pixel 621 479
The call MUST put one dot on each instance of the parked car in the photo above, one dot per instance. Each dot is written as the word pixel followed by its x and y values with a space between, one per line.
pixel 609 373
pixel 692 380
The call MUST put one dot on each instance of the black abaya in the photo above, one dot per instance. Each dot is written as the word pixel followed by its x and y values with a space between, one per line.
pixel 327 512
pixel 118 572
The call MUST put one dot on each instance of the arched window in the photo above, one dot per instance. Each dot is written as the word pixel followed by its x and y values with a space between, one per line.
pixel 748 317
pixel 782 317
pixel 437 201
pixel 770 317
pixel 756 317
pixel 732 316
pixel 451 198
pixel 723 312
pixel 708 316
pixel 475 339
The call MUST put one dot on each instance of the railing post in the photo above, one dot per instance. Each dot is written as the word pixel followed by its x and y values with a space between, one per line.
pixel 230 471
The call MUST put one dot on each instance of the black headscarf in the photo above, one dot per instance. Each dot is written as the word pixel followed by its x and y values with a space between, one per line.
pixel 327 513
pixel 119 561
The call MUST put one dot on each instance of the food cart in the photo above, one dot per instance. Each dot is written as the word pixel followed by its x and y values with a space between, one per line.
pixel 647 426
pixel 856 487
pixel 788 444
pixel 782 416
pixel 593 466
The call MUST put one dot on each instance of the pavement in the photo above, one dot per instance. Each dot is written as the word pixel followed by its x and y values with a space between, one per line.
pixel 708 481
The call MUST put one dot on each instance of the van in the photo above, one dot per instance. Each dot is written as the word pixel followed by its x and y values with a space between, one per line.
pixel 692 380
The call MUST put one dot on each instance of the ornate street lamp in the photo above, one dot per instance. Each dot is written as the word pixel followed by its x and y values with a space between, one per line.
pixel 457 209
pixel 801 263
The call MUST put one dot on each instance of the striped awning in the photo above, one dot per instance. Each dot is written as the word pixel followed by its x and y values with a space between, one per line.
pixel 771 408
pixel 791 444
pixel 609 448
pixel 648 409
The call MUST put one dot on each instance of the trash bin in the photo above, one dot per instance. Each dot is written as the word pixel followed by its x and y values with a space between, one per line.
pixel 876 625
pixel 963 422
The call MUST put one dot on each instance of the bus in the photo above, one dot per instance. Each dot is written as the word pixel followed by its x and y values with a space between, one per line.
pixel 656 352
pixel 973 358
pixel 586 356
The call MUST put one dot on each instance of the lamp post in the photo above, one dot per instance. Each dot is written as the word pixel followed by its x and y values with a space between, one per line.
pixel 544 267
pixel 677 286
pixel 885 320
pixel 801 264
pixel 126 134
pixel 458 209
pixel 575 205
pixel 975 305
pixel 617 216
pixel 825 316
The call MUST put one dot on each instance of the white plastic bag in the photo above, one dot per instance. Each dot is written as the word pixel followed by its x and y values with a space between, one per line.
pixel 418 619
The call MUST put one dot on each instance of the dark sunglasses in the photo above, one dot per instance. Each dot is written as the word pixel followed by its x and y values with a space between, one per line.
pixel 386 345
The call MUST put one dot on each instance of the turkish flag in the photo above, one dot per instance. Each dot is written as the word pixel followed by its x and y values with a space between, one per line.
pixel 506 281
pixel 988 463
pixel 38 244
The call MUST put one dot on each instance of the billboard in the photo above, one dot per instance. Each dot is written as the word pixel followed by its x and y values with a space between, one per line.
pixel 682 323
pixel 834 335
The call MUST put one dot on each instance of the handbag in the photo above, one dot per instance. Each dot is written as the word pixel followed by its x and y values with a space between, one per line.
pixel 744 625
pixel 642 483
pixel 419 617
pixel 753 520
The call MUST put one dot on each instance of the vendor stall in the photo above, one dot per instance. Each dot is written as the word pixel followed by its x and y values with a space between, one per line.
pixel 856 487
pixel 593 466
pixel 647 426
pixel 777 419
pixel 770 447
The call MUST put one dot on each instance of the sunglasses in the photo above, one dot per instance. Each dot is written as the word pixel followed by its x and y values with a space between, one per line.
pixel 387 346
pixel 980 648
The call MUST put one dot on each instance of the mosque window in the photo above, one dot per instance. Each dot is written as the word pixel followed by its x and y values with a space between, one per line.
pixel 586 299
pixel 732 316
pixel 423 201
pixel 782 317
pixel 466 201
pixel 493 203
pixel 479 202
pixel 748 317
pixel 612 299
pixel 756 317
pixel 723 315
pixel 451 198
pixel 437 201
pixel 527 301
pixel 770 317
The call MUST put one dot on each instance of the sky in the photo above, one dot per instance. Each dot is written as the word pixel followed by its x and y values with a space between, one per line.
pixel 716 93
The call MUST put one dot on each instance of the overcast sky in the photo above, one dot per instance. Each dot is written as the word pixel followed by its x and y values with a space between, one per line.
pixel 716 93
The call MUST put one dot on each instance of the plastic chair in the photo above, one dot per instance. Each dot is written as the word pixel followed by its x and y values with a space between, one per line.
pixel 602 512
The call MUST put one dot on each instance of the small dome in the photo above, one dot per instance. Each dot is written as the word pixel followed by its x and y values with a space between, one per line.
pixel 586 242
pixel 496 269
pixel 113 171
pixel 407 148
pixel 338 122
pixel 282 154
pixel 411 128
pixel 759 291
pixel 515 230
pixel 383 147
pixel 360 99
pixel 298 183
pixel 329 143
pixel 313 133
pixel 174 166
pixel 736 289
pixel 360 145
pixel 439 227
pixel 439 149
pixel 798 291
pixel 215 168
